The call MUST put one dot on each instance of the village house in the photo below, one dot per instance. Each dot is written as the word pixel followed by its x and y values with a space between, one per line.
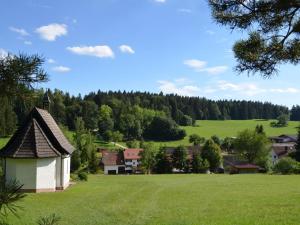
pixel 112 162
pixel 244 168
pixel 132 159
pixel 38 154
pixel 280 150
pixel 284 139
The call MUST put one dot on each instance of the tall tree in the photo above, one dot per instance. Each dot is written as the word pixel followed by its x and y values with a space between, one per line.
pixel 196 139
pixel 274 31
pixel 163 164
pixel 212 153
pixel 179 157
pixel 148 157
pixel 79 144
pixel 19 72
pixel 252 146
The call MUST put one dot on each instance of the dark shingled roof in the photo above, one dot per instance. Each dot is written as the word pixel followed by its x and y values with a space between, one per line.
pixel 110 158
pixel 38 137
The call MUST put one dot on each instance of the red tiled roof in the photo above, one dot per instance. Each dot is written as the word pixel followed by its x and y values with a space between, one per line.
pixel 110 158
pixel 132 153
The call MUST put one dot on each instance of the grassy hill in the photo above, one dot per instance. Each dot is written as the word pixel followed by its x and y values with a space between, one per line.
pixel 207 128
pixel 229 128
pixel 171 200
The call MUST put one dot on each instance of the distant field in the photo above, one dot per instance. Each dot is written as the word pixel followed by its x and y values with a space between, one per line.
pixel 207 128
pixel 171 200
pixel 229 128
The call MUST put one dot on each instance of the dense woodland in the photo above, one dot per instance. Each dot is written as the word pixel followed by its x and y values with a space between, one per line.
pixel 134 115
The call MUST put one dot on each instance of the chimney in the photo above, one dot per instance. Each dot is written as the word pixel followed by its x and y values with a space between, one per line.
pixel 46 101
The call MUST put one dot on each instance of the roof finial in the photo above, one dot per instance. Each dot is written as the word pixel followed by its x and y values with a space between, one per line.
pixel 46 101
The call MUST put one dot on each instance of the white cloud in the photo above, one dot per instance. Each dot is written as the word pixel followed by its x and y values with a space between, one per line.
pixel 200 66
pixel 195 64
pixel 101 51
pixel 126 49
pixel 170 87
pixel 286 90
pixel 215 70
pixel 20 31
pixel 160 1
pixel 27 42
pixel 61 69
pixel 52 31
pixel 249 89
pixel 183 10
pixel 3 53
pixel 51 61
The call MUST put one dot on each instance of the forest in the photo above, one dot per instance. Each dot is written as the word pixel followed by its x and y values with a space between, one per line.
pixel 117 115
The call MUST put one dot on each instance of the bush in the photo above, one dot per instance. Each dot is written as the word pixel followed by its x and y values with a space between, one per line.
pixel 49 220
pixel 83 176
pixel 286 166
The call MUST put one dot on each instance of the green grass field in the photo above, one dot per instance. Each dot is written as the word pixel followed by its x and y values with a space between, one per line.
pixel 207 128
pixel 171 200
pixel 229 128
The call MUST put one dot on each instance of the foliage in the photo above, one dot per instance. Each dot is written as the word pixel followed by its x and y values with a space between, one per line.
pixel 286 165
pixel 82 175
pixel 133 144
pixel 179 158
pixel 297 147
pixel 216 139
pixel 105 122
pixel 8 118
pixel 227 144
pixel 9 196
pixel 163 164
pixel 53 219
pixel 252 146
pixel 79 144
pixel 196 139
pixel 282 121
pixel 148 158
pixel 212 153
pixel 260 129
pixel 199 165
pixel 162 128
pixel 273 27
pixel 19 72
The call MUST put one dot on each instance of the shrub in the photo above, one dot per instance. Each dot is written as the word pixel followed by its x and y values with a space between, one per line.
pixel 83 176
pixel 53 219
pixel 286 166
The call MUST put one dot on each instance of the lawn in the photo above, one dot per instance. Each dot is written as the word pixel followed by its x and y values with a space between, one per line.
pixel 229 128
pixel 171 200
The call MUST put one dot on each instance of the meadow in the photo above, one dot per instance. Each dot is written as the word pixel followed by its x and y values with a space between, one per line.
pixel 206 128
pixel 189 199
pixel 229 128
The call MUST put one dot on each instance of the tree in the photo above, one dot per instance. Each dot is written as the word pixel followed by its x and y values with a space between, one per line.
pixel 58 108
pixel 10 194
pixel 90 114
pixel 274 29
pixel 163 164
pixel 79 144
pixel 179 157
pixel 105 122
pixel 227 144
pixel 212 153
pixel 286 165
pixel 260 129
pixel 216 139
pixel 297 154
pixel 196 163
pixel 252 146
pixel 148 158
pixel 19 72
pixel 8 118
pixel 196 139
pixel 282 120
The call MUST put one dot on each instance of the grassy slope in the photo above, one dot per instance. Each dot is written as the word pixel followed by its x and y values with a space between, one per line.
pixel 229 128
pixel 171 200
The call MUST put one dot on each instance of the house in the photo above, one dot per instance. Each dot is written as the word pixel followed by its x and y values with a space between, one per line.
pixel 284 139
pixel 244 168
pixel 113 162
pixel 132 159
pixel 38 154
pixel 280 150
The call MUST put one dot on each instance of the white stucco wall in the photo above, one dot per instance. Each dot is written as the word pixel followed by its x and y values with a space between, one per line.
pixel 66 171
pixel 107 168
pixel 23 170
pixel 46 173
pixel 58 173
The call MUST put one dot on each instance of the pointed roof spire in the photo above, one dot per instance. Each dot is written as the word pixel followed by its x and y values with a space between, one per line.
pixel 46 100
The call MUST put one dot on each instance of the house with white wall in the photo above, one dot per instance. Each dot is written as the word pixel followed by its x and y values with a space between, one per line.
pixel 112 162
pixel 280 150
pixel 132 159
pixel 38 154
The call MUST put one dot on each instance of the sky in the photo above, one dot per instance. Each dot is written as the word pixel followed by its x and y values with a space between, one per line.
pixel 173 46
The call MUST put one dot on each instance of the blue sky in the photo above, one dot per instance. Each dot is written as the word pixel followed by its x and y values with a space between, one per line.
pixel 147 45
